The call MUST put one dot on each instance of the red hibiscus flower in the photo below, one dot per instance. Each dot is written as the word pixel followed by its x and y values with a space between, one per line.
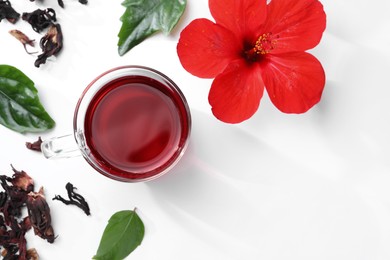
pixel 253 45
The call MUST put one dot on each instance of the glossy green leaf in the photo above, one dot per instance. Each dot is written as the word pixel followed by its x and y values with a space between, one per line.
pixel 123 233
pixel 20 108
pixel 142 18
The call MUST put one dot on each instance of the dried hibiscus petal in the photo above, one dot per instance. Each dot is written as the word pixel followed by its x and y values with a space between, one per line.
pixel 22 180
pixel 18 192
pixel 74 199
pixel 23 39
pixel 39 213
pixel 7 12
pixel 12 228
pixel 40 19
pixel 13 201
pixel 51 44
pixel 35 146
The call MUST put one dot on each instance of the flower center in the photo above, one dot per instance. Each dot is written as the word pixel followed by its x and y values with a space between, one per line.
pixel 263 45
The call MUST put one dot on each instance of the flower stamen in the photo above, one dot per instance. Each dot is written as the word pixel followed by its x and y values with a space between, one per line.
pixel 264 44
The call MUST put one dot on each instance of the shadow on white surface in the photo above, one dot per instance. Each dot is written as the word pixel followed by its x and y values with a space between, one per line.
pixel 243 198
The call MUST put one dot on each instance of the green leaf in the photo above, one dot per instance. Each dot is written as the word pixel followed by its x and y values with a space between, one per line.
pixel 142 18
pixel 123 233
pixel 20 108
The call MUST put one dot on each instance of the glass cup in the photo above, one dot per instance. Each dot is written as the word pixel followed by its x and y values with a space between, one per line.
pixel 131 124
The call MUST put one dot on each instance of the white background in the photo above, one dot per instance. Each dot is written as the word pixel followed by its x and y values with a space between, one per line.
pixel 278 186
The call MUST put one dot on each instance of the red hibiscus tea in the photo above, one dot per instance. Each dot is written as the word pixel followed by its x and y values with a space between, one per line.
pixel 135 125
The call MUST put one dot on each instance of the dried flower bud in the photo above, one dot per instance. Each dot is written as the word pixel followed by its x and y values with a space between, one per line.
pixel 39 213
pixel 50 44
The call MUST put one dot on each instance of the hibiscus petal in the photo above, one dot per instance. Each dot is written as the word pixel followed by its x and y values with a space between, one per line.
pixel 295 25
pixel 243 17
pixel 294 81
pixel 205 49
pixel 235 94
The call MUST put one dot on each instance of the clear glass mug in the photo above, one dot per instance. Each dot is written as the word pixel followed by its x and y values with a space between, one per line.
pixel 131 124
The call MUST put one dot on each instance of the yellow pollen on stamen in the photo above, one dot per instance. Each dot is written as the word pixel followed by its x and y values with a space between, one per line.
pixel 264 44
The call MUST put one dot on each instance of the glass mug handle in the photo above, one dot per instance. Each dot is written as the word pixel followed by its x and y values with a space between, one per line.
pixel 60 147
